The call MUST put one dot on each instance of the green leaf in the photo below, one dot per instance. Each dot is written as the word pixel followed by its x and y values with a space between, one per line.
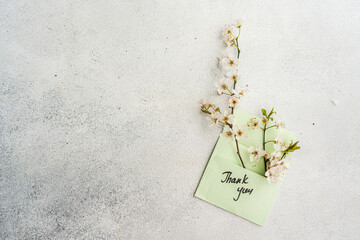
pixel 263 112
pixel 292 147
pixel 272 112
pixel 205 111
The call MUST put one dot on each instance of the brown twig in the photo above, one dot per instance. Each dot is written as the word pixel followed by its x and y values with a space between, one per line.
pixel 238 153
pixel 264 129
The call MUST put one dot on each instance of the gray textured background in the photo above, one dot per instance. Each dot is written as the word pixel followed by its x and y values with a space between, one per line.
pixel 101 134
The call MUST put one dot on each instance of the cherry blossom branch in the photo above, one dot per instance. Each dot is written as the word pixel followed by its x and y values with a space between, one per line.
pixel 277 162
pixel 232 109
pixel 265 120
pixel 227 86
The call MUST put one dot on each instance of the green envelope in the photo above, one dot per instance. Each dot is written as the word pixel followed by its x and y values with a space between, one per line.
pixel 226 184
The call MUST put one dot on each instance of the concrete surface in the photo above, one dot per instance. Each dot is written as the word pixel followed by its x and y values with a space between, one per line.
pixel 101 134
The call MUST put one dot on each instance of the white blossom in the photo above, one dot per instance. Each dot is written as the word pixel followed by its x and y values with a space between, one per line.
pixel 228 132
pixel 240 91
pixel 228 63
pixel 238 23
pixel 223 85
pixel 256 153
pixel 233 100
pixel 215 117
pixel 279 144
pixel 204 103
pixel 228 33
pixel 215 108
pixel 276 170
pixel 275 157
pixel 254 123
pixel 240 132
pixel 285 162
pixel 233 74
pixel 275 174
pixel 227 118
pixel 279 123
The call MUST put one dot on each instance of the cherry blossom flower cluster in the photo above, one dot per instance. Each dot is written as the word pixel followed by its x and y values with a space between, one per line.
pixel 227 85
pixel 277 162
pixel 231 32
pixel 226 119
